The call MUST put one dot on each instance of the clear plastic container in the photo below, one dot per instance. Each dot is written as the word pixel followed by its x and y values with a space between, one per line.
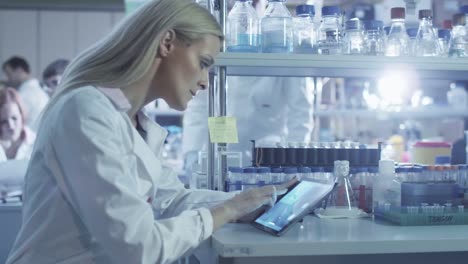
pixel 305 31
pixel 234 182
pixel 304 173
pixel 444 40
pixel 457 97
pixel 397 40
pixel 374 38
pixel 263 176
pixel 353 41
pixel 290 173
pixel 427 44
pixel 277 176
pixel 277 28
pixel 242 28
pixel 329 39
pixel 458 41
pixel 249 178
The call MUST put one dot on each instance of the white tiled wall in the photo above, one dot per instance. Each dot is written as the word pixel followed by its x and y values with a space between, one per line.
pixel 42 36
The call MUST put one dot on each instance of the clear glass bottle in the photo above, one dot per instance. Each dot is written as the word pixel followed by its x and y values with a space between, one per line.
pixel 353 40
pixel 397 40
pixel 444 39
pixel 458 43
pixel 374 38
pixel 242 28
pixel 329 39
pixel 412 34
pixel 427 44
pixel 305 31
pixel 276 28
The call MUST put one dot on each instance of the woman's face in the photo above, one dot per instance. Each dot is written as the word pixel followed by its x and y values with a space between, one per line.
pixel 11 122
pixel 184 71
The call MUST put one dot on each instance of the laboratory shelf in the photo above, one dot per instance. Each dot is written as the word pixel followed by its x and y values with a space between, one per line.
pixel 430 113
pixel 303 65
pixel 339 237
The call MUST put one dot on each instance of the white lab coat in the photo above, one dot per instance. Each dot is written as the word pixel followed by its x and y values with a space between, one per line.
pixel 96 192
pixel 35 100
pixel 268 110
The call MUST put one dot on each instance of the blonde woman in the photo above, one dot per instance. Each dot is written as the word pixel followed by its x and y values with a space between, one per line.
pixel 95 190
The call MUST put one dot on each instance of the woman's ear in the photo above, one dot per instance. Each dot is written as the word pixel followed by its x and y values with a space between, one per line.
pixel 167 43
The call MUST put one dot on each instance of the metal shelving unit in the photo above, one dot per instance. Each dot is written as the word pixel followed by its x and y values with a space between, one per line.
pixel 431 113
pixel 304 65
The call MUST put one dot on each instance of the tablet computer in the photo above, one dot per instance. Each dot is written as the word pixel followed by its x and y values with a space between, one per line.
pixel 300 200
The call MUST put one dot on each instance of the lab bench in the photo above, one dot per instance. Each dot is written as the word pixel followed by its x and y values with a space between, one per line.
pixel 10 223
pixel 327 241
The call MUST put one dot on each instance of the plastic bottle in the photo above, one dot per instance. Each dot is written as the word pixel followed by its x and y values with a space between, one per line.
pixel 242 28
pixel 444 39
pixel 457 96
pixel 277 28
pixel 427 44
pixel 353 41
pixel 412 42
pixel 329 40
pixel 397 40
pixel 458 43
pixel 386 189
pixel 305 31
pixel 374 38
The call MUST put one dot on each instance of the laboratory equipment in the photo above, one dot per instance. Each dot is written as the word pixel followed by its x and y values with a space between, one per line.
pixel 425 152
pixel 276 28
pixel 397 40
pixel 329 38
pixel 458 41
pixel 374 38
pixel 305 31
pixel 353 41
pixel 444 39
pixel 427 44
pixel 457 96
pixel 242 28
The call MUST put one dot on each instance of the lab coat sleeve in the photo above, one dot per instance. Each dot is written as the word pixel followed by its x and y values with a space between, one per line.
pixel 97 171
pixel 172 198
pixel 299 96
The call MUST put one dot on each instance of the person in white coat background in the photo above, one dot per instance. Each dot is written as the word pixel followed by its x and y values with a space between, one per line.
pixel 95 190
pixel 267 109
pixel 34 97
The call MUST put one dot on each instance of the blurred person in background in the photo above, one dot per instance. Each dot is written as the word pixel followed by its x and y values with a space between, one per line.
pixel 16 139
pixel 53 74
pixel 268 110
pixel 34 97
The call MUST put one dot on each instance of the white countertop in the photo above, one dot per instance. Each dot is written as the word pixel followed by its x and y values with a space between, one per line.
pixel 339 237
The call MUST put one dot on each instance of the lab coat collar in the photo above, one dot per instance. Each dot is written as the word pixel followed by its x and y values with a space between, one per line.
pixel 117 97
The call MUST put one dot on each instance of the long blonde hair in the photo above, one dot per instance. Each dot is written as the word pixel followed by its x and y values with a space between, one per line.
pixel 127 53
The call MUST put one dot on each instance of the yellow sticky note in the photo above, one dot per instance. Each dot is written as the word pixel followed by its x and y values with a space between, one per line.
pixel 223 129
